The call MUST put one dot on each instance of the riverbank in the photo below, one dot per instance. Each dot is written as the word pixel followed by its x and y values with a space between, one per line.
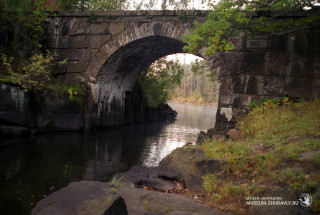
pixel 273 153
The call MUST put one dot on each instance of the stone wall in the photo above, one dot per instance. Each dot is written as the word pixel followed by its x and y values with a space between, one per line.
pixel 14 106
pixel 51 113
pixel 109 50
pixel 18 108
pixel 289 65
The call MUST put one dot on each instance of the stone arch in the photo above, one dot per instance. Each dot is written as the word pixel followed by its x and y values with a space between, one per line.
pixel 119 62
pixel 165 29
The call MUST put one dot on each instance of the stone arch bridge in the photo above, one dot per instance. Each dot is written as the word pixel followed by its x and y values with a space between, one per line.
pixel 108 51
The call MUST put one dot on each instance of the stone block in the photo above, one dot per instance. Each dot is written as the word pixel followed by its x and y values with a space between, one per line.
pixel 252 63
pixel 77 41
pixel 74 78
pixel 300 41
pixel 225 99
pixel 315 89
pixel 58 42
pixel 275 63
pixel 316 66
pixel 303 66
pixel 77 66
pixel 225 114
pixel 240 85
pixel 278 43
pixel 101 28
pixel 78 26
pixel 271 86
pixel 64 28
pixel 265 85
pixel 77 54
pixel 298 87
pixel 116 27
pixel 312 41
pixel 252 86
pixel 96 41
pixel 240 101
pixel 318 42
pixel 226 85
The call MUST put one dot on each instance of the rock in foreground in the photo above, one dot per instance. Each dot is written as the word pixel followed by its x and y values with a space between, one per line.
pixel 88 197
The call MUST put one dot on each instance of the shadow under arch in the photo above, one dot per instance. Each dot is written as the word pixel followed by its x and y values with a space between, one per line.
pixel 119 74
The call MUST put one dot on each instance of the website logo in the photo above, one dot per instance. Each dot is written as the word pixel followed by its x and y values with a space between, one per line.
pixel 305 200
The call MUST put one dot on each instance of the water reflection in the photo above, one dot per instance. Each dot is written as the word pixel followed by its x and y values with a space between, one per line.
pixel 35 167
pixel 191 120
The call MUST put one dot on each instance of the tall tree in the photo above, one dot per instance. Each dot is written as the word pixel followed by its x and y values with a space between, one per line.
pixel 199 84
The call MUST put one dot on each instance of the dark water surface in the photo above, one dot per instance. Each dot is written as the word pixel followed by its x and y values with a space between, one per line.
pixel 35 167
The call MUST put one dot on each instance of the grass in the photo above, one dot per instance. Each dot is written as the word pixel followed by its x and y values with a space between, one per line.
pixel 272 136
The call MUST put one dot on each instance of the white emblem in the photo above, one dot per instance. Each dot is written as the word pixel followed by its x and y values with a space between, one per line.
pixel 305 200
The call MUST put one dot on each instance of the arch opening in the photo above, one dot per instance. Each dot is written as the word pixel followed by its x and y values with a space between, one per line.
pixel 116 104
pixel 124 67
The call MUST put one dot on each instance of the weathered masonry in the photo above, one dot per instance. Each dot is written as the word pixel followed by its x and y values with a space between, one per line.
pixel 107 51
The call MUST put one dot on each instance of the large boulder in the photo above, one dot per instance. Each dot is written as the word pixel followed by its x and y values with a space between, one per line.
pixel 184 165
pixel 144 176
pixel 141 201
pixel 83 198
pixel 87 198
pixel 202 137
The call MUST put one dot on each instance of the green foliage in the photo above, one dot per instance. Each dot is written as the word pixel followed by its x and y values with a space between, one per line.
pixel 272 138
pixel 24 61
pixel 230 19
pixel 35 76
pixel 159 81
pixel 115 182
pixel 271 117
pixel 225 192
pixel 23 19
pixel 268 102
pixel 198 85
pixel 32 75
pixel 91 5
pixel 210 183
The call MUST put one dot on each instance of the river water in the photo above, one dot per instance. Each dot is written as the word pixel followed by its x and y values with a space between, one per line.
pixel 32 168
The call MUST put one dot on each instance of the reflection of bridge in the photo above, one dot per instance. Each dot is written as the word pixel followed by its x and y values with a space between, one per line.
pixel 109 50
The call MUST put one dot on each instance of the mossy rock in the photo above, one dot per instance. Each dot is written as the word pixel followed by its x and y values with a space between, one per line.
pixel 188 165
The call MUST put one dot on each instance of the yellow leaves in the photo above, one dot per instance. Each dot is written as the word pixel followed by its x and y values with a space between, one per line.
pixel 33 74
pixel 72 93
